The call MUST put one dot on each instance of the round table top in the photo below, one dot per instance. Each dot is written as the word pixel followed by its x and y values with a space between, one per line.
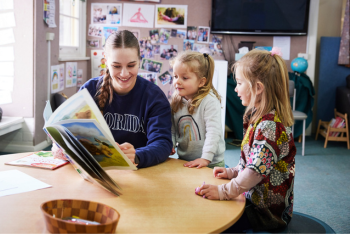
pixel 155 199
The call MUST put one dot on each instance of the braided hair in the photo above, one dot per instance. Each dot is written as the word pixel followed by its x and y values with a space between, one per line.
pixel 119 39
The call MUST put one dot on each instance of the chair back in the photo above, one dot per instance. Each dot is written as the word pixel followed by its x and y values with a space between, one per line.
pixel 292 92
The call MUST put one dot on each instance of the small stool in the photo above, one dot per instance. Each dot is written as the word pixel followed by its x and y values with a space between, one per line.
pixel 302 223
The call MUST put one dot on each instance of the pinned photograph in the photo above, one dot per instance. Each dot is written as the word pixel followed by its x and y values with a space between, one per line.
pixel 191 33
pixel 93 43
pixel 99 13
pixel 154 34
pixel 203 34
pixel 164 36
pixel 188 44
pixel 173 33
pixel 171 16
pixel 165 78
pixel 168 51
pixel 151 77
pixel 114 15
pixel 151 65
pixel 98 63
pixel 198 47
pixel 216 39
pixel 138 15
pixel 156 49
pixel 107 31
pixel 181 34
pixel 95 30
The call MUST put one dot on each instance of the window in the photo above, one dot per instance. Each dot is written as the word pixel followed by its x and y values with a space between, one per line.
pixel 72 29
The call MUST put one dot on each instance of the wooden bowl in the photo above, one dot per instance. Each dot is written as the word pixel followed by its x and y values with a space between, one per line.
pixel 55 210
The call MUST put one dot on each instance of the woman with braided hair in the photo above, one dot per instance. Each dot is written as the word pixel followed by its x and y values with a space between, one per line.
pixel 136 110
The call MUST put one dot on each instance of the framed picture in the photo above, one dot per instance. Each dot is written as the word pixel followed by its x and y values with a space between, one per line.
pixel 171 16
pixel 138 15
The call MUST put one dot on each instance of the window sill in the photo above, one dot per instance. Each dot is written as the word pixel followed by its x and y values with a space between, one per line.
pixel 62 59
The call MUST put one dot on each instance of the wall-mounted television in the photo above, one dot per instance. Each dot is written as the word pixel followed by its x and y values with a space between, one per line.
pixel 260 17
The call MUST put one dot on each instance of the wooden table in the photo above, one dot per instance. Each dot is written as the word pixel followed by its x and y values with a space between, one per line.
pixel 158 199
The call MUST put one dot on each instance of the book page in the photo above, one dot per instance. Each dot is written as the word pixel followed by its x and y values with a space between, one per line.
pixel 40 159
pixel 79 106
pixel 96 141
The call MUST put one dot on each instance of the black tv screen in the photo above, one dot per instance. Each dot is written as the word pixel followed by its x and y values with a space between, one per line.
pixel 260 17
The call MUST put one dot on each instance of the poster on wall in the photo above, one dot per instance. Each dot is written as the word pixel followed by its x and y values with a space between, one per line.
pixel 138 15
pixel 61 77
pixel 106 13
pixel 79 79
pixel 71 74
pixel 171 16
pixel 98 63
pixel 54 78
pixel 49 13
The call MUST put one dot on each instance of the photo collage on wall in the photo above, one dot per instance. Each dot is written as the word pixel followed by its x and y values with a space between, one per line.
pixel 167 31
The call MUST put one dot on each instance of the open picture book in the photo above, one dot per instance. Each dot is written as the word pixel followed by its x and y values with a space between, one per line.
pixel 79 129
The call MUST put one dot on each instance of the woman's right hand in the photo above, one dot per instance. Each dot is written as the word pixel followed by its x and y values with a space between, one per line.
pixel 220 173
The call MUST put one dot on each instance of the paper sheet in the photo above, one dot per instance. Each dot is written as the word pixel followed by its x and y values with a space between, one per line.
pixel 7 20
pixel 6 4
pixel 7 36
pixel 15 181
pixel 284 44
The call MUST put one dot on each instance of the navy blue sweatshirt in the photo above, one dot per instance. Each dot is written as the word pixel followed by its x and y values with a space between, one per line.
pixel 142 118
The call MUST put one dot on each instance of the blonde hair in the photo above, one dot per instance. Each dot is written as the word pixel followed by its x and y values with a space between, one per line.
pixel 202 65
pixel 271 71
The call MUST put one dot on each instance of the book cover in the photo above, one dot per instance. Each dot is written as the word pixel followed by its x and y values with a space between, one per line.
pixel 79 129
pixel 41 159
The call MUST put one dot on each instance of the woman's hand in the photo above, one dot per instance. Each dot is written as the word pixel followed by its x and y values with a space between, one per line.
pixel 220 173
pixel 199 162
pixel 129 150
pixel 172 152
pixel 209 191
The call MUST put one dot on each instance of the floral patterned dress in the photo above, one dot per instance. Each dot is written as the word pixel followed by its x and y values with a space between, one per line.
pixel 268 148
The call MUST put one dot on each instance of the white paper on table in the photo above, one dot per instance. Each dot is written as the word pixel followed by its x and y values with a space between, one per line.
pixel 6 83
pixel 6 69
pixel 7 54
pixel 5 97
pixel 7 36
pixel 7 20
pixel 20 183
pixel 6 4
pixel 284 44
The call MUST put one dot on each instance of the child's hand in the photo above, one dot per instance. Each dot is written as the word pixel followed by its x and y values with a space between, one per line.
pixel 172 152
pixel 199 162
pixel 209 191
pixel 220 173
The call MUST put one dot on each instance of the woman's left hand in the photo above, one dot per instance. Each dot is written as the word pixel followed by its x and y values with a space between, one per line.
pixel 199 162
pixel 209 191
pixel 129 150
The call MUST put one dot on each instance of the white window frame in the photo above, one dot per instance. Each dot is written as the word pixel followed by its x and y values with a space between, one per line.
pixel 69 53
